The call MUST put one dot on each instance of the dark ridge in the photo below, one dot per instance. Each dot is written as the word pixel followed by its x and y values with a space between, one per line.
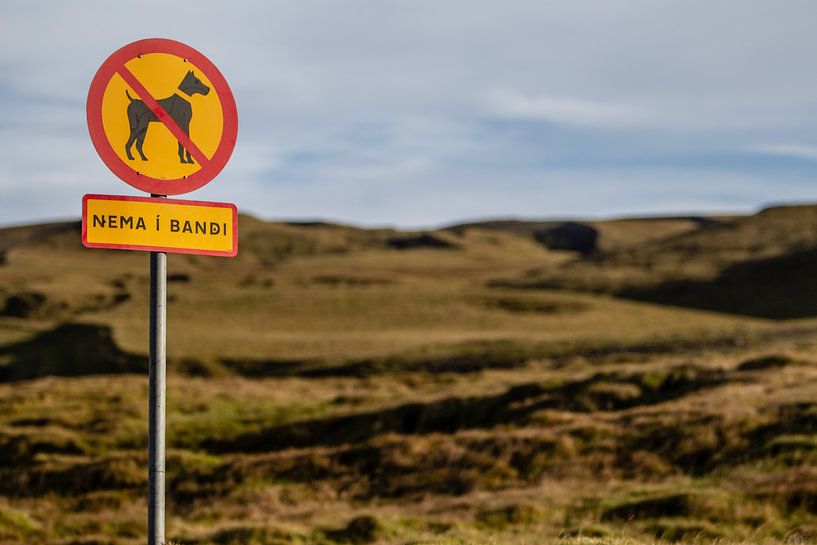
pixel 478 356
pixel 467 359
pixel 360 530
pixel 534 305
pixel 34 304
pixel 540 228
pixel 471 361
pixel 70 350
pixel 554 235
pixel 703 222
pixel 266 368
pixel 249 535
pixel 790 419
pixel 519 227
pixel 114 472
pixel 447 415
pixel 14 236
pixel 572 236
pixel 785 433
pixel 774 361
pixel 507 355
pixel 677 505
pixel 309 224
pixel 776 288
pixel 603 391
pixel 522 226
pixel 413 242
pixel 350 281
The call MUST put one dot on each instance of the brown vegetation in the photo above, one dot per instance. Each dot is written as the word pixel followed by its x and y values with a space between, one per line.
pixel 337 385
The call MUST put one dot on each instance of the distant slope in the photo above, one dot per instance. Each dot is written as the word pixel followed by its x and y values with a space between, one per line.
pixel 266 242
pixel 308 299
pixel 762 265
pixel 32 234
pixel 590 237
pixel 273 242
pixel 294 292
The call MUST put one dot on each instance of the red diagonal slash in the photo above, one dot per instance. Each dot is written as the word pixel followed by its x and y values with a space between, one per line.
pixel 162 115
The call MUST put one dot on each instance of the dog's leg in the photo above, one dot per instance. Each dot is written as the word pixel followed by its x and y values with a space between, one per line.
pixel 140 140
pixel 181 153
pixel 131 139
pixel 184 125
pixel 133 121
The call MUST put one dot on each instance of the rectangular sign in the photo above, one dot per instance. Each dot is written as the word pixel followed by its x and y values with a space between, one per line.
pixel 159 225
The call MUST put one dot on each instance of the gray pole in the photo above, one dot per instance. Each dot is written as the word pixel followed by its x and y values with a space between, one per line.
pixel 157 373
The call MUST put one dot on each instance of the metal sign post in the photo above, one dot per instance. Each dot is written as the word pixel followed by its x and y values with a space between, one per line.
pixel 157 386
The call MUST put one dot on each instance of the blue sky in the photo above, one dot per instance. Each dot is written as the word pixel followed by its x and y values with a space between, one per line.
pixel 421 113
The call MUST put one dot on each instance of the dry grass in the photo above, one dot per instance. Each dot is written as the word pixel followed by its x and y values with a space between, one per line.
pixel 327 387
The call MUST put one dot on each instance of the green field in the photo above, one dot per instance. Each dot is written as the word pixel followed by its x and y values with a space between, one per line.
pixel 498 382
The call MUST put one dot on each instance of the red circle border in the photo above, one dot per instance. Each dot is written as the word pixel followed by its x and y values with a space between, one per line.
pixel 104 148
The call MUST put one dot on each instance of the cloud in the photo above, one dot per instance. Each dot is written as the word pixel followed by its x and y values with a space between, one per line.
pixel 795 151
pixel 564 111
pixel 416 112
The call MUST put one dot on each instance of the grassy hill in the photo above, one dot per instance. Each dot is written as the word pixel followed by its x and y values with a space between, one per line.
pixel 759 265
pixel 608 235
pixel 497 382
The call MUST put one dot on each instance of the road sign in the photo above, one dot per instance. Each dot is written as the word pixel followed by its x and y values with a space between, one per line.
pixel 162 116
pixel 159 225
pixel 163 119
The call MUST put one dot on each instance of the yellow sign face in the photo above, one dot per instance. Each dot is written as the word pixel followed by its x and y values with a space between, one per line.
pixel 159 225
pixel 162 75
pixel 161 116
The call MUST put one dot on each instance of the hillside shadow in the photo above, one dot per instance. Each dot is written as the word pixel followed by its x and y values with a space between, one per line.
pixel 775 288
pixel 602 391
pixel 571 236
pixel 70 350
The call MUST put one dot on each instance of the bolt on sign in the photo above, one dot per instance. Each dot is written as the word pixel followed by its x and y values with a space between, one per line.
pixel 163 119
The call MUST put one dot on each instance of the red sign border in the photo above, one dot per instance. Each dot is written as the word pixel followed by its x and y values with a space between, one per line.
pixel 122 169
pixel 185 202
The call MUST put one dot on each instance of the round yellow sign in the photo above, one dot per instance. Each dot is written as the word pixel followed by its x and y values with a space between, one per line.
pixel 162 117
pixel 161 74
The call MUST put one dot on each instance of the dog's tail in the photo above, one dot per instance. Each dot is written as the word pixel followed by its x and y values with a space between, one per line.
pixel 128 95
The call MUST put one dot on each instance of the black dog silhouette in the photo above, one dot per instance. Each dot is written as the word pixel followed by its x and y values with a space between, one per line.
pixel 140 116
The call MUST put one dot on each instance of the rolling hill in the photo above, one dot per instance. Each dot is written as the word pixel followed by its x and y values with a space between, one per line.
pixel 759 265
pixel 567 382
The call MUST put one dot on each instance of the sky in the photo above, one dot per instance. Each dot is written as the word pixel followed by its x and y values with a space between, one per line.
pixel 424 113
